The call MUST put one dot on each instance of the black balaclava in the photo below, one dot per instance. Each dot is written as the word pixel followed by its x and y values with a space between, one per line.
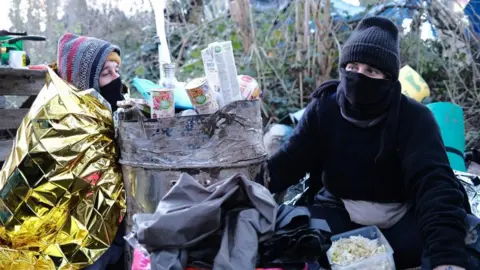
pixel 112 92
pixel 364 101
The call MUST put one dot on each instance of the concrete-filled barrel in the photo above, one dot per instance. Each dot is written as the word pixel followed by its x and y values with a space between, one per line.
pixel 154 153
pixel 450 119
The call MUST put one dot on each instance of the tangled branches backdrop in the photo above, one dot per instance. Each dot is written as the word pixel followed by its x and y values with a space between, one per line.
pixel 289 48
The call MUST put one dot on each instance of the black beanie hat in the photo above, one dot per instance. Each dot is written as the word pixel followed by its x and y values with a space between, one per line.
pixel 374 42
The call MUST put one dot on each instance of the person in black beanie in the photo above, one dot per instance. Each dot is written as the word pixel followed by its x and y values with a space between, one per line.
pixel 378 157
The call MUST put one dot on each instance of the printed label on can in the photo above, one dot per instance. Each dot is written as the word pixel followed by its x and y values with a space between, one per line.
pixel 201 96
pixel 210 106
pixel 198 95
pixel 249 87
pixel 162 103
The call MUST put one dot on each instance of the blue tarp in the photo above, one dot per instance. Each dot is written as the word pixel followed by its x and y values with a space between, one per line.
pixel 472 11
pixel 397 10
pixel 182 101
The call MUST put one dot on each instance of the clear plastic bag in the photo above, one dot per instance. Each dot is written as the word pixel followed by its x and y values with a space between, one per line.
pixel 141 258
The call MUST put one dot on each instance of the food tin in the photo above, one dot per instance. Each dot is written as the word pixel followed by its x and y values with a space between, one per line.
pixel 201 96
pixel 249 87
pixel 162 103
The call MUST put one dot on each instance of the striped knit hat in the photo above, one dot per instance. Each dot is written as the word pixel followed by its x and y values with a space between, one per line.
pixel 81 59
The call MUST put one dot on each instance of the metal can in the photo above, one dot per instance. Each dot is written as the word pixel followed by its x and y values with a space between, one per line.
pixel 162 103
pixel 201 96
pixel 249 87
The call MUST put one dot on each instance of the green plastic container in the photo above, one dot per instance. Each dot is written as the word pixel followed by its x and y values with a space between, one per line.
pixel 452 127
pixel 17 46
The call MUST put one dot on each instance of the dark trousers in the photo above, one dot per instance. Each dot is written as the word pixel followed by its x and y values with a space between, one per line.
pixel 404 236
pixel 113 257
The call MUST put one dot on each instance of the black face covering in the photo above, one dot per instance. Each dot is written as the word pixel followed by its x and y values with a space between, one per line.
pixel 363 100
pixel 362 91
pixel 112 92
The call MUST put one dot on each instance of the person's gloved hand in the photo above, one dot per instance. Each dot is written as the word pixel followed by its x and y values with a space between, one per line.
pixel 448 267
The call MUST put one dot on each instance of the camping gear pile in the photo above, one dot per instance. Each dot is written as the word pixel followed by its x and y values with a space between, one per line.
pixel 232 224
pixel 206 153
pixel 188 153
pixel 157 148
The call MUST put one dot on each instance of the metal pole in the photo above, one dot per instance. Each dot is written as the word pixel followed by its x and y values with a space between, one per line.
pixel 163 51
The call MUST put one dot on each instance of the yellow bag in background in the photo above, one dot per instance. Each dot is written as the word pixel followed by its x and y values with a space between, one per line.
pixel 413 85
pixel 61 189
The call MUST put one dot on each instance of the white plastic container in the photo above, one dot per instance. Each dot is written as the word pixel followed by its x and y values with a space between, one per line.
pixel 210 69
pixel 226 70
pixel 383 261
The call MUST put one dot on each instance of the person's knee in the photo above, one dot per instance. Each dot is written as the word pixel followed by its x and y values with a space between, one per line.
pixel 337 218
pixel 406 242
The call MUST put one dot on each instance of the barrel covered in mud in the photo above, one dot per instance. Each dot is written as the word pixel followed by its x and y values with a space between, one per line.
pixel 154 153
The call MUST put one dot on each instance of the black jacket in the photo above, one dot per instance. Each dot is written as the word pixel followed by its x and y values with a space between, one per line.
pixel 417 170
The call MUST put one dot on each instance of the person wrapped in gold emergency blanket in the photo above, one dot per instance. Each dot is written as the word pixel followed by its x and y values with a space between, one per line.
pixel 61 190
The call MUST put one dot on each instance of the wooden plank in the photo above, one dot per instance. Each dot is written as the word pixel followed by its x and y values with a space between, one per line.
pixel 8 71
pixel 12 118
pixel 5 147
pixel 18 86
pixel 21 82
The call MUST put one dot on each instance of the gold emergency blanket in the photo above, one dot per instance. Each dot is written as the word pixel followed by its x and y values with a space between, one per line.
pixel 61 190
